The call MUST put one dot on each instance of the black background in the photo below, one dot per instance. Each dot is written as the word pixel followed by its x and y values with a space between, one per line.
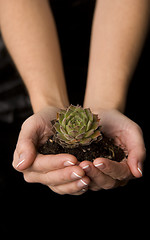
pixel 33 208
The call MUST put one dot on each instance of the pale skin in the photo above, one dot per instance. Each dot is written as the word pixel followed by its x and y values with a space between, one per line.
pixel 118 33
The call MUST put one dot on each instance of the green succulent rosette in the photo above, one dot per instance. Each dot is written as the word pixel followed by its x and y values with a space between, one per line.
pixel 76 126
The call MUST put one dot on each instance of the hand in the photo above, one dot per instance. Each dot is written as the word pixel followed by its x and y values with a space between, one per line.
pixel 60 172
pixel 107 174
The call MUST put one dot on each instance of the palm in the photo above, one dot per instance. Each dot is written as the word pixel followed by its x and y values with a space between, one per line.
pixel 125 132
pixel 119 127
pixel 41 122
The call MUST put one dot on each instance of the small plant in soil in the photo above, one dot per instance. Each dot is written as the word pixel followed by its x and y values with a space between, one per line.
pixel 77 131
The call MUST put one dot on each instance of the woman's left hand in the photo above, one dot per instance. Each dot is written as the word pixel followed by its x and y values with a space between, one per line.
pixel 107 174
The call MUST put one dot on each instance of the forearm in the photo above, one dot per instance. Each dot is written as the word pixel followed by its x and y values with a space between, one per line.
pixel 119 30
pixel 29 32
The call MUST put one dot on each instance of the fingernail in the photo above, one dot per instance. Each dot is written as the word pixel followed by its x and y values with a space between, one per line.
pixel 18 165
pixel 86 168
pixel 68 163
pixel 139 169
pixel 82 183
pixel 75 175
pixel 20 161
pixel 100 165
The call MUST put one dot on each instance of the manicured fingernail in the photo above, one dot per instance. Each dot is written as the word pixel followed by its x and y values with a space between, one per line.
pixel 100 165
pixel 139 168
pixel 140 171
pixel 21 160
pixel 86 168
pixel 75 176
pixel 19 164
pixel 82 183
pixel 68 163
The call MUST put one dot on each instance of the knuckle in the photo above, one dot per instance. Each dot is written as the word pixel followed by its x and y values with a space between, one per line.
pixel 27 121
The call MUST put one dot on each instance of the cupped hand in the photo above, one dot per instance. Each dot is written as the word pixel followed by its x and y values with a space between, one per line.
pixel 107 174
pixel 60 172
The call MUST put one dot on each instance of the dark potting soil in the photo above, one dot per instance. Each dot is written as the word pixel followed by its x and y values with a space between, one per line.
pixel 104 148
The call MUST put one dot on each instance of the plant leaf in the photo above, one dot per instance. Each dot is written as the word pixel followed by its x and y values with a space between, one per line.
pixel 86 141
pixel 96 134
pixel 57 127
pixel 89 133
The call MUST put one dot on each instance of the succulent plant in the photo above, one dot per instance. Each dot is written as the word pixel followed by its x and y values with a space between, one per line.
pixel 76 126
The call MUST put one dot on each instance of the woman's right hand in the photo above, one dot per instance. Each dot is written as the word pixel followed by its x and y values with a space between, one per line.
pixel 60 172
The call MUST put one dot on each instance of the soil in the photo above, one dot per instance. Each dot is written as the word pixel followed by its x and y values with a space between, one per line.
pixel 104 148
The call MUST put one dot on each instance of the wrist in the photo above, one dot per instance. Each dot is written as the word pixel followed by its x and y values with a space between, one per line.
pixel 102 105
pixel 43 102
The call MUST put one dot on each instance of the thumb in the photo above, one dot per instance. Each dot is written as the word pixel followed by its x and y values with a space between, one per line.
pixel 25 152
pixel 135 160
pixel 136 149
pixel 24 155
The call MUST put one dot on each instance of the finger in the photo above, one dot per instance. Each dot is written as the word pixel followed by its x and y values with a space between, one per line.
pixel 136 152
pixel 25 152
pixel 74 188
pixel 46 163
pixel 98 179
pixel 135 160
pixel 24 155
pixel 116 170
pixel 56 177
